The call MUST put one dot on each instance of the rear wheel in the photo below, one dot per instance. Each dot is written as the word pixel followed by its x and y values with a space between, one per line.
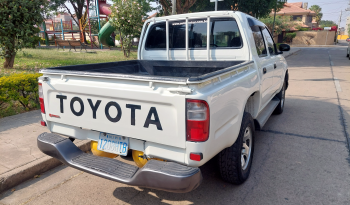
pixel 235 162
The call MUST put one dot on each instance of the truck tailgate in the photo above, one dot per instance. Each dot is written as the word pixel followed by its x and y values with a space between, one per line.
pixel 124 107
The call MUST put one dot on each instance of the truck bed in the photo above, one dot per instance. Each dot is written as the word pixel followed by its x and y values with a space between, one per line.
pixel 181 71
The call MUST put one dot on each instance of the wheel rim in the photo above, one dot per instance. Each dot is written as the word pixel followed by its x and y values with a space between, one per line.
pixel 246 148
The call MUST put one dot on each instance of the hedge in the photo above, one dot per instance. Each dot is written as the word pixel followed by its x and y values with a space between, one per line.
pixel 22 88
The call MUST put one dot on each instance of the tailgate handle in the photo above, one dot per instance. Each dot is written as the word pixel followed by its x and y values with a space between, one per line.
pixel 184 90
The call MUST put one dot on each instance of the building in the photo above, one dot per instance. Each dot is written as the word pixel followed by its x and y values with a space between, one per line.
pixel 299 13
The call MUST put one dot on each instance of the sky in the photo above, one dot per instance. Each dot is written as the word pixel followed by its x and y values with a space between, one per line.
pixel 330 9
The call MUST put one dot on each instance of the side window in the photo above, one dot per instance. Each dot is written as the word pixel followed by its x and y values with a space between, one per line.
pixel 259 43
pixel 156 37
pixel 225 33
pixel 269 41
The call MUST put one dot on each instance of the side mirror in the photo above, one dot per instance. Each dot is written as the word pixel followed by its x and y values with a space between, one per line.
pixel 284 47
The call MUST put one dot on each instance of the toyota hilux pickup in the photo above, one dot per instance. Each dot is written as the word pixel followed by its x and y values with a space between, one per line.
pixel 200 87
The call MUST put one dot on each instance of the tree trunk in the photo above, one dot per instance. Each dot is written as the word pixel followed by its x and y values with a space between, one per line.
pixel 84 38
pixel 9 61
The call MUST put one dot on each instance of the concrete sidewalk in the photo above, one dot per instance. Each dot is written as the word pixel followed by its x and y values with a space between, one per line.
pixel 20 158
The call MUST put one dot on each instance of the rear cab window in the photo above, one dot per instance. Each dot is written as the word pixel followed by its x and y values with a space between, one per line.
pixel 224 33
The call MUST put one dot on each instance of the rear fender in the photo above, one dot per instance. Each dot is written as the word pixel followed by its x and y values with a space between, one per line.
pixel 253 103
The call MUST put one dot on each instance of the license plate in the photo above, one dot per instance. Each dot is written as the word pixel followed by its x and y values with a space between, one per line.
pixel 113 143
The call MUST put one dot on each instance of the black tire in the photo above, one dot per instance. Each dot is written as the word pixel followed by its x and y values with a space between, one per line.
pixel 229 159
pixel 281 96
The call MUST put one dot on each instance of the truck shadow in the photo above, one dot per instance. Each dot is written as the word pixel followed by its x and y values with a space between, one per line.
pixel 279 160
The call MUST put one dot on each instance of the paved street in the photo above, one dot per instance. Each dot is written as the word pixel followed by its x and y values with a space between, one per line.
pixel 301 156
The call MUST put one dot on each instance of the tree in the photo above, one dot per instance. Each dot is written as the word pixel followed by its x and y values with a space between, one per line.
pixel 61 6
pixel 126 17
pixel 317 9
pixel 256 8
pixel 182 6
pixel 327 23
pixel 79 6
pixel 282 23
pixel 19 25
pixel 289 37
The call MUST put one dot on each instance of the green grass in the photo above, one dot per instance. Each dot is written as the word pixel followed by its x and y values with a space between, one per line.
pixel 32 60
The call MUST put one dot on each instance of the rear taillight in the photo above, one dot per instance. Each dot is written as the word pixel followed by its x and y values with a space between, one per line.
pixel 41 98
pixel 197 128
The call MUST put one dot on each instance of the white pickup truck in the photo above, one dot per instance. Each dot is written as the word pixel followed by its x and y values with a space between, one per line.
pixel 189 97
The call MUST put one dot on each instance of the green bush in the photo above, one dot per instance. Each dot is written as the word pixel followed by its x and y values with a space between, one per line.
pixel 290 36
pixel 22 88
pixel 302 28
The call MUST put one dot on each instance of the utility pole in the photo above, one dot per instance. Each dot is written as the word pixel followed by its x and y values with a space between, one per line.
pixel 338 32
pixel 341 13
pixel 274 18
pixel 174 7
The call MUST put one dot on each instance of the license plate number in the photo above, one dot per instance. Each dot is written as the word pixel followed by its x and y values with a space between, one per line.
pixel 113 143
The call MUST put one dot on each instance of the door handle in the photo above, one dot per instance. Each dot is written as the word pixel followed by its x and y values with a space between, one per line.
pixel 264 70
pixel 274 66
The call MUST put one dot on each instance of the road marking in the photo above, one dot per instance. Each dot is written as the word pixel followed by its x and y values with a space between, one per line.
pixel 342 118
pixel 337 84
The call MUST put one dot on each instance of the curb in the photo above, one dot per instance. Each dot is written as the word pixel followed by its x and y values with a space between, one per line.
pixel 291 53
pixel 28 171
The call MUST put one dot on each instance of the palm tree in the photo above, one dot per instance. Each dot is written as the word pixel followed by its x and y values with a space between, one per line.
pixel 317 9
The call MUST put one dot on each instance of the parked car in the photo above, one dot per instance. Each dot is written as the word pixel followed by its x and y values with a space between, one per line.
pixel 202 84
pixel 348 51
pixel 348 40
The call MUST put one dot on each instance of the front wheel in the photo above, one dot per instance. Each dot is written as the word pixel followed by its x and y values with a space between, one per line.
pixel 235 161
pixel 281 96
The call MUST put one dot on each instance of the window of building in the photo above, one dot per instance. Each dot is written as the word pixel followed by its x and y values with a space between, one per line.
pixel 309 19
pixel 259 43
pixel 297 18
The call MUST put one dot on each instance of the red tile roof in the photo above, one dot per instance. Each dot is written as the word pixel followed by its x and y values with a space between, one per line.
pixel 295 9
